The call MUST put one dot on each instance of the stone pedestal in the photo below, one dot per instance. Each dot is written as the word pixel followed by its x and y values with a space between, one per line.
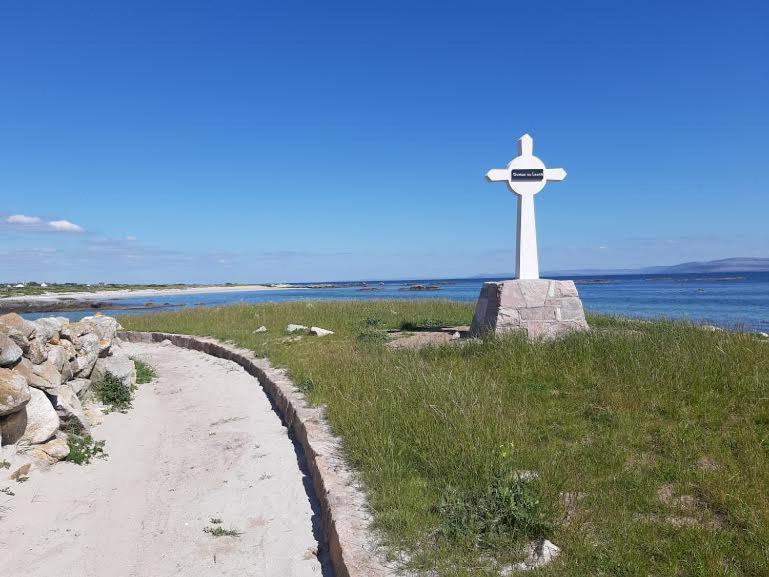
pixel 543 309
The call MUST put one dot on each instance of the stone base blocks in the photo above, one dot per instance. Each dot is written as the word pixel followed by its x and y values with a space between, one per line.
pixel 543 309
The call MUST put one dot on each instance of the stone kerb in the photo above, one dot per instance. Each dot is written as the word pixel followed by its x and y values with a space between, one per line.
pixel 345 518
pixel 543 309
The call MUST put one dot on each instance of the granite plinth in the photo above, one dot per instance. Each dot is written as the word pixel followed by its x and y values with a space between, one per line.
pixel 543 309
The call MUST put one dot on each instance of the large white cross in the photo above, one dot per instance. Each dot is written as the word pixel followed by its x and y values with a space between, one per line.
pixel 526 175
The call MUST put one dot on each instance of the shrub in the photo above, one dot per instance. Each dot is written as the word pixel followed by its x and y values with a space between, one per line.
pixel 113 392
pixel 83 448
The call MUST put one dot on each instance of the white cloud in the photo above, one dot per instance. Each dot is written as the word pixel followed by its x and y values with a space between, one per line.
pixel 22 219
pixel 64 226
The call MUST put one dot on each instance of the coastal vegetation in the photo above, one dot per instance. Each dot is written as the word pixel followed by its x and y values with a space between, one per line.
pixel 35 288
pixel 641 448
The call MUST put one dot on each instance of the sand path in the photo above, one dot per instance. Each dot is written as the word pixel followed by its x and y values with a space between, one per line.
pixel 201 442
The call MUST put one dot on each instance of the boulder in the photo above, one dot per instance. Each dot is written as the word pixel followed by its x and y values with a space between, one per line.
pixel 295 328
pixel 57 355
pixel 50 375
pixel 37 421
pixel 262 329
pixel 47 329
pixel 24 367
pixel 88 351
pixel 14 321
pixel 106 328
pixel 37 351
pixel 10 352
pixel 319 332
pixel 53 451
pixel 118 365
pixel 69 408
pixel 73 331
pixel 80 386
pixel 14 391
pixel 17 337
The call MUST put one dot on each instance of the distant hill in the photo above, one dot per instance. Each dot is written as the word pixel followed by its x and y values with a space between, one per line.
pixel 739 264
pixel 736 264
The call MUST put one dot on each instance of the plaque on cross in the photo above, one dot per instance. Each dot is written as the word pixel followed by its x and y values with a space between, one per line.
pixel 526 175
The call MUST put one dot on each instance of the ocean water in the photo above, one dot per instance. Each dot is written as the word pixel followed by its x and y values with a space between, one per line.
pixel 729 300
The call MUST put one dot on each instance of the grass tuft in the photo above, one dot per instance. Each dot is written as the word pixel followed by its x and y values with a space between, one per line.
pixel 145 373
pixel 221 532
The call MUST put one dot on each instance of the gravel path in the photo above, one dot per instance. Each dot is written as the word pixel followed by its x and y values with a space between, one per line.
pixel 201 442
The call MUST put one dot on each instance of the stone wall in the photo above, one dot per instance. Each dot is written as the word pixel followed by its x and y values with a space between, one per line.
pixel 46 368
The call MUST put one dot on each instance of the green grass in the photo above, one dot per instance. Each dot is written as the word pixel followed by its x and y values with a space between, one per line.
pixel 144 372
pixel 651 439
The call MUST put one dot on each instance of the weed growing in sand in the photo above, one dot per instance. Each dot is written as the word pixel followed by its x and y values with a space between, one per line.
pixel 215 521
pixel 82 447
pixel 114 393
pixel 7 491
pixel 221 532
pixel 5 464
pixel 22 479
pixel 145 373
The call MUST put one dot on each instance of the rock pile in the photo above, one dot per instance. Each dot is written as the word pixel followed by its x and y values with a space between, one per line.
pixel 46 370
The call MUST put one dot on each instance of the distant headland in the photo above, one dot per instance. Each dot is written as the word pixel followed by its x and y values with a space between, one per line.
pixel 734 264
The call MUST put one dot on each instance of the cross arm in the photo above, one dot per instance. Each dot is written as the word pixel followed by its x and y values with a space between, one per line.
pixel 498 174
pixel 555 174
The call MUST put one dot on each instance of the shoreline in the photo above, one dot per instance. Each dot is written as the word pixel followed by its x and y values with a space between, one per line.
pixel 83 300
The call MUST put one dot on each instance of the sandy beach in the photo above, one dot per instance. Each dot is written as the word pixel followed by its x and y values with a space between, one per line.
pixel 128 293
pixel 201 442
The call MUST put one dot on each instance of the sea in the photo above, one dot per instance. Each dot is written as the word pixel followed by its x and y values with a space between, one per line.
pixel 729 300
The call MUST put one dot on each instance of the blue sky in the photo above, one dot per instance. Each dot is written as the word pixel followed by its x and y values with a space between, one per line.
pixel 270 141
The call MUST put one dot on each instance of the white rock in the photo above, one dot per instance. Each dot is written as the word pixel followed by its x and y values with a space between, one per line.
pixel 17 337
pixel 106 328
pixel 120 366
pixel 50 375
pixel 526 476
pixel 262 329
pixel 10 352
pixel 69 408
pixel 57 355
pixel 37 351
pixel 294 328
pixel 539 554
pixel 87 343
pixel 54 450
pixel 763 335
pixel 47 329
pixel 80 386
pixel 712 329
pixel 319 332
pixel 35 423
pixel 14 391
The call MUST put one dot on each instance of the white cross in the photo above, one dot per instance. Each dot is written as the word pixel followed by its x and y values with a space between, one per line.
pixel 526 175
